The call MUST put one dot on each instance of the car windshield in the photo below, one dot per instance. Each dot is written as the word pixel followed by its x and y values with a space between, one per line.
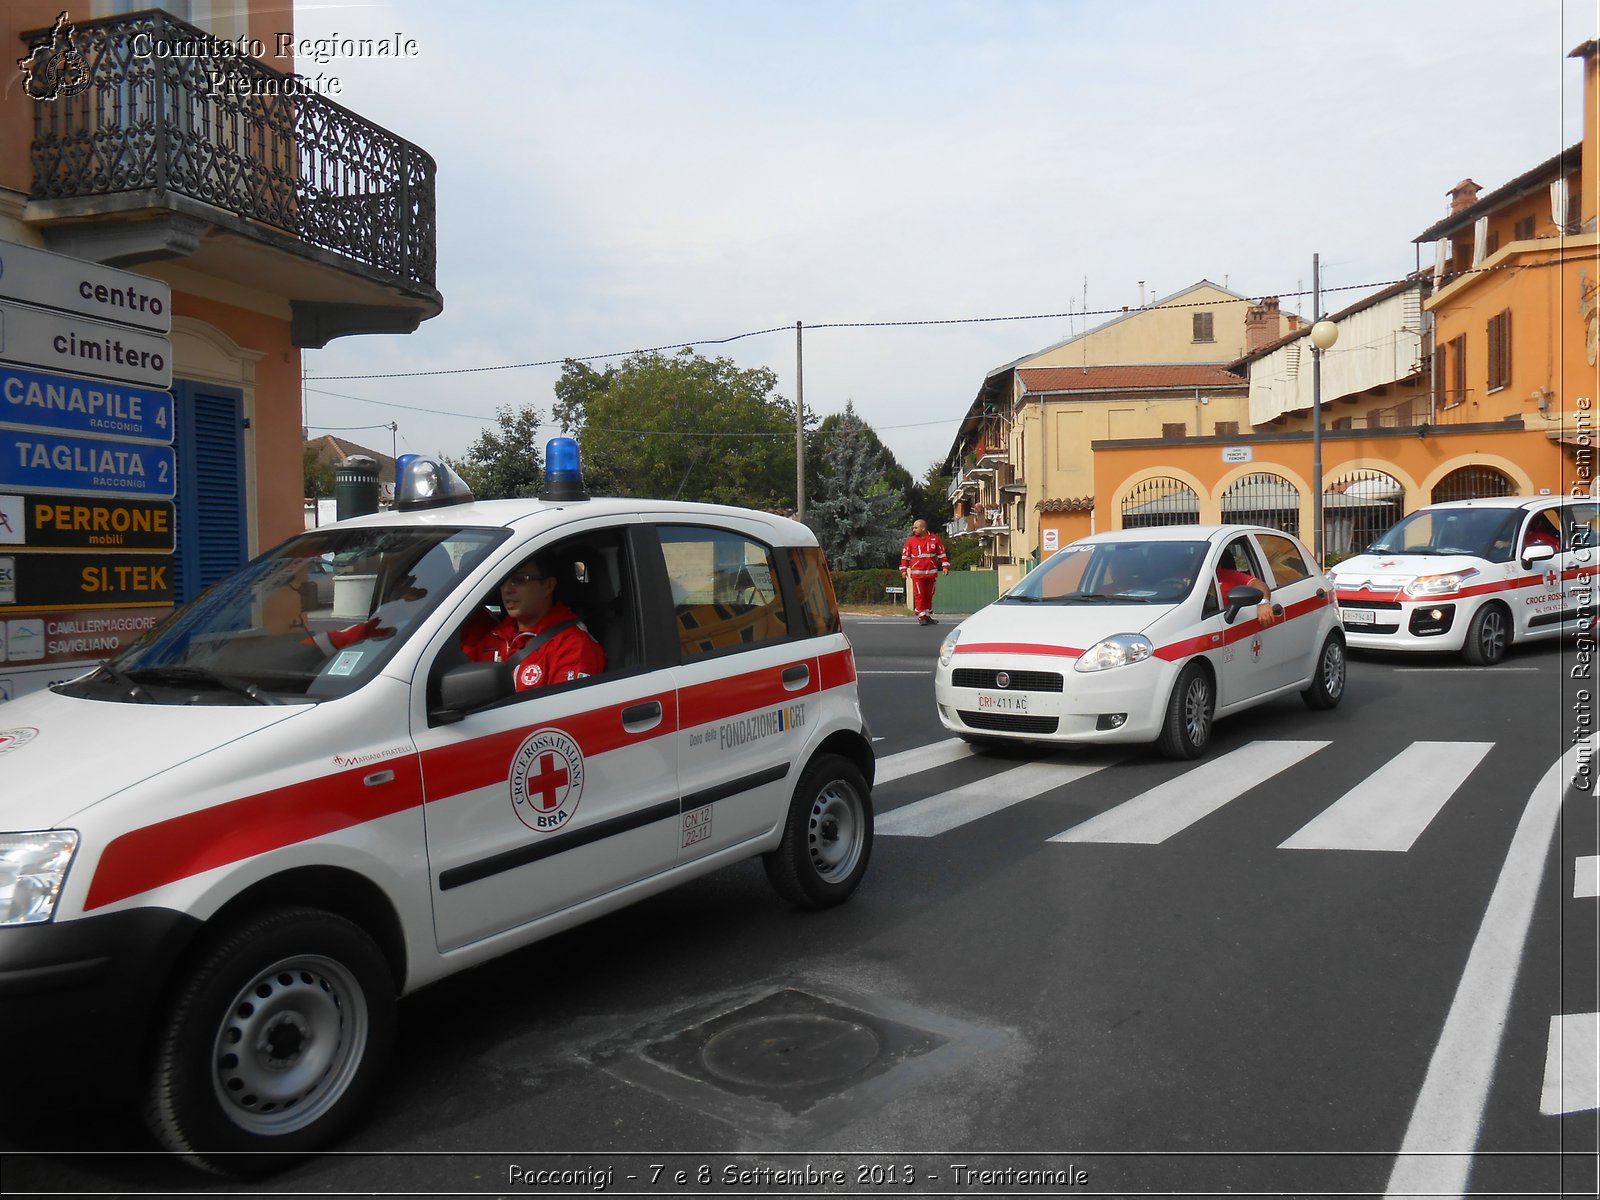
pixel 1482 532
pixel 1127 572
pixel 311 620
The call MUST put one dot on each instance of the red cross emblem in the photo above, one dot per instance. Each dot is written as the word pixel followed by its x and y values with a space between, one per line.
pixel 546 780
pixel 1255 647
pixel 1551 578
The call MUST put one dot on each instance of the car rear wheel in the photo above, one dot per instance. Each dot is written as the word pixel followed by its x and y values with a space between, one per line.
pixel 1487 636
pixel 271 1042
pixel 1190 711
pixel 1326 688
pixel 827 838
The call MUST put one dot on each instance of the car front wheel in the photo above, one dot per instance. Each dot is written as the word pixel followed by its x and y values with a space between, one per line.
pixel 1326 688
pixel 1190 711
pixel 827 837
pixel 1487 636
pixel 271 1042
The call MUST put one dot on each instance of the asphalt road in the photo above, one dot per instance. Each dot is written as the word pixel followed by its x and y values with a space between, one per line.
pixel 1216 988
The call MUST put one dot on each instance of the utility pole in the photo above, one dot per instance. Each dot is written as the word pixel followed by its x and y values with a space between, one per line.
pixel 799 425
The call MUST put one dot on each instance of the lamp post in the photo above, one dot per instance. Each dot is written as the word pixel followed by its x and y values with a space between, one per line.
pixel 1323 335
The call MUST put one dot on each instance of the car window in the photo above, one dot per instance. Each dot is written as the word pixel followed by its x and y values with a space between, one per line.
pixel 1582 525
pixel 1236 556
pixel 1284 559
pixel 724 589
pixel 819 609
pixel 1488 533
pixel 1134 571
pixel 1543 529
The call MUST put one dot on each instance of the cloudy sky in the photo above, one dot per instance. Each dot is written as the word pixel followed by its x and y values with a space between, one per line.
pixel 624 175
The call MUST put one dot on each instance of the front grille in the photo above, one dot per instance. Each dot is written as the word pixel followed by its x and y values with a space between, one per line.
pixel 1388 605
pixel 1020 681
pixel 1008 722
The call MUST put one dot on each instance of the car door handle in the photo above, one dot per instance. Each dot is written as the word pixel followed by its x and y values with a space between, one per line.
pixel 796 677
pixel 637 718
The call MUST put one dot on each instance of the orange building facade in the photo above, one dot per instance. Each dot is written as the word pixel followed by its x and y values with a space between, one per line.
pixel 279 218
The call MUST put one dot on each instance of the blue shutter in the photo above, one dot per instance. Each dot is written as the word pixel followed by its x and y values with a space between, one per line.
pixel 211 502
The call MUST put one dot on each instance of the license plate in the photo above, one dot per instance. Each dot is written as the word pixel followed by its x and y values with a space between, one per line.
pixel 1003 703
pixel 1358 616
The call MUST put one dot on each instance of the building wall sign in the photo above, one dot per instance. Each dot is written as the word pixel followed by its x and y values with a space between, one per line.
pixel 1238 454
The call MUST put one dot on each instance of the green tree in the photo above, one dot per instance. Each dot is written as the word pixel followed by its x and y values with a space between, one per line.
pixel 318 474
pixel 504 462
pixel 680 427
pixel 818 448
pixel 858 514
pixel 931 499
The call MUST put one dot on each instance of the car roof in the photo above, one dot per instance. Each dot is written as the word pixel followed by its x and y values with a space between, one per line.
pixel 1507 502
pixel 1174 533
pixel 510 514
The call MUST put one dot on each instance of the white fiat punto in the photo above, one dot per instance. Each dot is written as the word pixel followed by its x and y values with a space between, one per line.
pixel 1145 635
pixel 1474 576
pixel 227 852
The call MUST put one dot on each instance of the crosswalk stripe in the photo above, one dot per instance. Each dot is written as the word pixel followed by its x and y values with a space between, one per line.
pixel 952 809
pixel 1172 807
pixel 1571 1072
pixel 923 758
pixel 1389 809
pixel 1586 878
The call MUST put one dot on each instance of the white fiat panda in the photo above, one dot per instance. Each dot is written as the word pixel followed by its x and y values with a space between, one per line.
pixel 1474 576
pixel 235 845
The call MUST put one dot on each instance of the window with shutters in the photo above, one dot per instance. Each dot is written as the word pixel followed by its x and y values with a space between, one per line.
pixel 1499 334
pixel 1524 230
pixel 209 515
pixel 1204 327
pixel 1227 428
pixel 1457 393
pixel 1173 429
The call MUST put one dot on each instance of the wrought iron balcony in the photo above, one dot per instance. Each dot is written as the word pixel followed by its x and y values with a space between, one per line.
pixel 237 135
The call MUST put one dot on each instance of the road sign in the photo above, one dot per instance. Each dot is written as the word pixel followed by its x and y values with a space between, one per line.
pixel 36 337
pixel 40 277
pixel 77 581
pixel 85 523
pixel 67 636
pixel 47 462
pixel 63 403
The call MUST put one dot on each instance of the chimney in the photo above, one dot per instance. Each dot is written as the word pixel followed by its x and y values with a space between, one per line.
pixel 1463 195
pixel 1261 324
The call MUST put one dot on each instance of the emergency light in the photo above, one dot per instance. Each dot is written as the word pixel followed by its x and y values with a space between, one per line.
pixel 428 483
pixel 563 476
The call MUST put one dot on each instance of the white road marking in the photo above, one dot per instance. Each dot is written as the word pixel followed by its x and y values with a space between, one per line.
pixel 1172 807
pixel 1436 1156
pixel 1572 1065
pixel 1389 809
pixel 1453 670
pixel 923 758
pixel 952 809
pixel 1586 878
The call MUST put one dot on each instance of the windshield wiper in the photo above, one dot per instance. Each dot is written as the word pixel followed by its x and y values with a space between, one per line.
pixel 132 687
pixel 201 675
pixel 1020 599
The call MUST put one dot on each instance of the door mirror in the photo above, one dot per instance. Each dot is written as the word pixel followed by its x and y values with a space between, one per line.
pixel 1537 553
pixel 1243 596
pixel 471 686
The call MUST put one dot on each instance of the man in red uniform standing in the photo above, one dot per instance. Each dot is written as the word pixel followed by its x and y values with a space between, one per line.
pixel 922 561
pixel 540 634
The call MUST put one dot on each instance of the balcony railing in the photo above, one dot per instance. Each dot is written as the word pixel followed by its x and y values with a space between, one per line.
pixel 222 130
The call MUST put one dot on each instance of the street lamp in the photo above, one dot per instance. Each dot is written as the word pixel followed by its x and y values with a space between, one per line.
pixel 1324 334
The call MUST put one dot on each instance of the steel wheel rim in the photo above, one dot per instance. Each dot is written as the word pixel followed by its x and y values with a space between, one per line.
pixel 1333 670
pixel 1492 636
pixel 1197 711
pixel 289 1045
pixel 834 831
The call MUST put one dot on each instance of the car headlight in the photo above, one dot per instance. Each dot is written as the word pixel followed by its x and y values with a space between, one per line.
pixel 1440 585
pixel 948 649
pixel 1118 650
pixel 32 866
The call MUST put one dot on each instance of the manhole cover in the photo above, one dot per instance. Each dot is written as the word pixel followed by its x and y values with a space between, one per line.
pixel 790 1050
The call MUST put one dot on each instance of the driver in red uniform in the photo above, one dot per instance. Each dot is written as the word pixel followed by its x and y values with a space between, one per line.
pixel 540 634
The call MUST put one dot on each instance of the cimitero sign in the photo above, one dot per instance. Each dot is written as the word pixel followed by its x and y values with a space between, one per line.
pixel 87 469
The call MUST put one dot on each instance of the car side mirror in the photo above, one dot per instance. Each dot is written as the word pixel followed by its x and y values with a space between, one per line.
pixel 471 686
pixel 1243 596
pixel 1538 553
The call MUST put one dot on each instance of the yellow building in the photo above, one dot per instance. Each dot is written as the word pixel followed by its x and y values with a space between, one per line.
pixel 1022 465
